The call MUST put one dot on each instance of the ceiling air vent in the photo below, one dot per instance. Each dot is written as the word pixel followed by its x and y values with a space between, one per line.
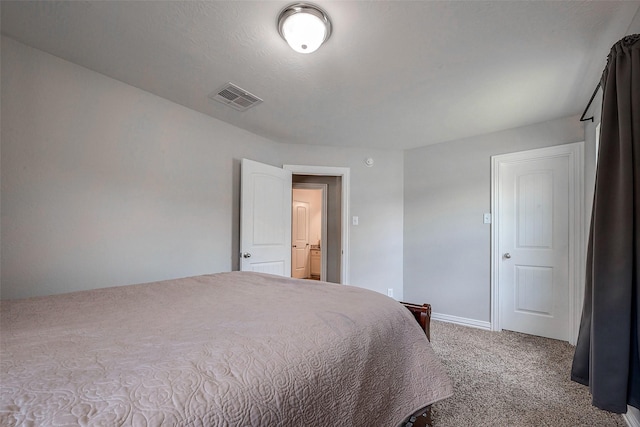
pixel 235 97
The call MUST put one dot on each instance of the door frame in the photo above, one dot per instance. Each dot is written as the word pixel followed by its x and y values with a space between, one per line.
pixel 575 153
pixel 344 174
pixel 323 226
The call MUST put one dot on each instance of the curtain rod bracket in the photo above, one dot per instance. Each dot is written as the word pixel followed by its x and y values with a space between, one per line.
pixel 582 118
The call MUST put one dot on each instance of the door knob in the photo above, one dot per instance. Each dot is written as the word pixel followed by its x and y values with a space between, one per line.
pixel 507 255
pixel 246 255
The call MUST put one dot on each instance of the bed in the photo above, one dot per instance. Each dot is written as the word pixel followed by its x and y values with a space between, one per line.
pixel 228 349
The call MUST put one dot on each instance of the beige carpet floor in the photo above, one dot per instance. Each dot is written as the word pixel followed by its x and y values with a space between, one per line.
pixel 511 379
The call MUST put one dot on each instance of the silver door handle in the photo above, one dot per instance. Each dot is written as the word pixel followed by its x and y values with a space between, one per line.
pixel 246 255
pixel 507 255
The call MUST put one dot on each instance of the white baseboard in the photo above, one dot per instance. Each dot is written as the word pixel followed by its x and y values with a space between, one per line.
pixel 461 321
pixel 632 417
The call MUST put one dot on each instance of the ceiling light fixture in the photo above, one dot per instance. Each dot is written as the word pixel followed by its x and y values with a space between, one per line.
pixel 304 26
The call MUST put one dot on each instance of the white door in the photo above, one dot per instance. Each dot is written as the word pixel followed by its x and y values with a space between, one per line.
pixel 300 239
pixel 265 219
pixel 536 201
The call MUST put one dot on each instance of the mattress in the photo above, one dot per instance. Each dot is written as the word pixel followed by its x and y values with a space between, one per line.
pixel 228 349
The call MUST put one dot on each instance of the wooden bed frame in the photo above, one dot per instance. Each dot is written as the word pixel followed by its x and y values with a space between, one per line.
pixel 422 314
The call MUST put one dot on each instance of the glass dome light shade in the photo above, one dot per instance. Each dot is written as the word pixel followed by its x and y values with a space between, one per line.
pixel 304 27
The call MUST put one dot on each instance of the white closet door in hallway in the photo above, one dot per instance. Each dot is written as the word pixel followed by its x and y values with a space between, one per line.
pixel 300 240
pixel 538 207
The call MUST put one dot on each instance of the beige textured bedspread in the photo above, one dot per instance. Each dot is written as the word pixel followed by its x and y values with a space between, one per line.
pixel 229 349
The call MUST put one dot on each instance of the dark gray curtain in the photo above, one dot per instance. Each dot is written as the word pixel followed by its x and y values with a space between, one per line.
pixel 606 357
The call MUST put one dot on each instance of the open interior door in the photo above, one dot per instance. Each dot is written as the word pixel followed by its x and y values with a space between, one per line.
pixel 265 219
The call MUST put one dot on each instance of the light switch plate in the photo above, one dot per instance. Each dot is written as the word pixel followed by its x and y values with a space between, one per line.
pixel 486 218
pixel 354 220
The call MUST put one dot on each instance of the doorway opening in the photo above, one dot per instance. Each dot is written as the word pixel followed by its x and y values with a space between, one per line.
pixel 335 246
pixel 326 249
pixel 265 217
pixel 309 231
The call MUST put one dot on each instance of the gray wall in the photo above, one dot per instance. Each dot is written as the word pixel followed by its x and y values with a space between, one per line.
pixel 104 184
pixel 447 190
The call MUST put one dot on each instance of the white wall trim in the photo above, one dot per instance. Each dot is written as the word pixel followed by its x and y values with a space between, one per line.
pixel 575 153
pixel 480 324
pixel 632 417
pixel 344 173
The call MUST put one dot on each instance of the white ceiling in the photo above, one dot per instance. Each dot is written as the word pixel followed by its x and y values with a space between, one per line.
pixel 394 74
